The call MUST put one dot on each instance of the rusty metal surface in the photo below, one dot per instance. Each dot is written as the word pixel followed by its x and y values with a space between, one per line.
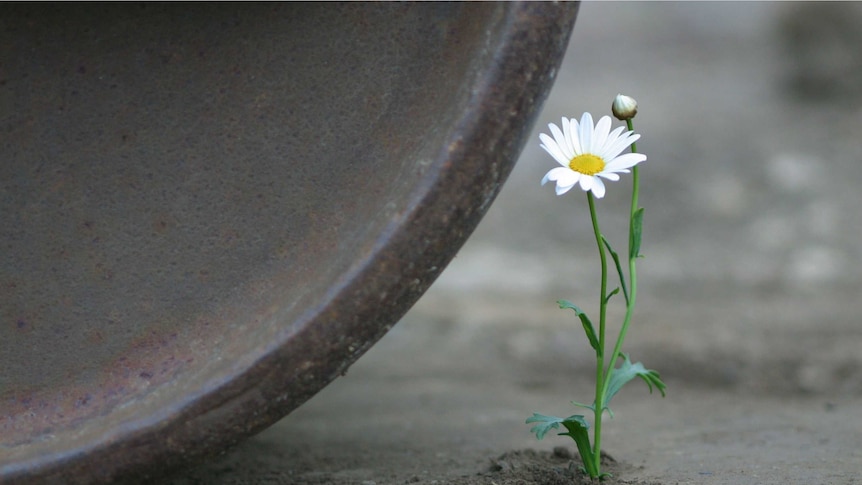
pixel 211 211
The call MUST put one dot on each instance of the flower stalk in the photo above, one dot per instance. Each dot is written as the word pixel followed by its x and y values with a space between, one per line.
pixel 600 357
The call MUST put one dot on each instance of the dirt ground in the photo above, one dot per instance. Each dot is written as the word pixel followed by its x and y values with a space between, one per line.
pixel 749 293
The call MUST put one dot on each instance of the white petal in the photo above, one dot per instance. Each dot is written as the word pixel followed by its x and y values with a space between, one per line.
pixel 624 161
pixel 567 133
pixel 587 182
pixel 616 133
pixel 586 133
pixel 551 147
pixel 575 125
pixel 561 141
pixel 573 137
pixel 600 135
pixel 562 190
pixel 613 177
pixel 617 146
pixel 620 144
pixel 598 188
pixel 563 176
pixel 613 137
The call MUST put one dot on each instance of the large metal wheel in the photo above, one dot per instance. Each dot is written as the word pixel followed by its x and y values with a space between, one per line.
pixel 211 210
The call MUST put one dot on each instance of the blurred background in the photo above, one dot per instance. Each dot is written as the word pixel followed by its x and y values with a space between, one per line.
pixel 749 294
pixel 751 118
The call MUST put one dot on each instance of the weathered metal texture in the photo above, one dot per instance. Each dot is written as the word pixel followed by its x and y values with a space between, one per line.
pixel 211 211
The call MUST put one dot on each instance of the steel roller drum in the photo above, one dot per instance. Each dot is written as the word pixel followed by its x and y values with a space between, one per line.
pixel 211 211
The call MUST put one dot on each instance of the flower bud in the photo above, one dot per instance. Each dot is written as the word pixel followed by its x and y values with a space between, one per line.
pixel 624 107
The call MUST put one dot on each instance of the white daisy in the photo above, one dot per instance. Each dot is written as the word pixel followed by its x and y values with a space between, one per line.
pixel 587 153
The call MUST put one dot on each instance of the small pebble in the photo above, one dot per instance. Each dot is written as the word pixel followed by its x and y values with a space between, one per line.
pixel 562 452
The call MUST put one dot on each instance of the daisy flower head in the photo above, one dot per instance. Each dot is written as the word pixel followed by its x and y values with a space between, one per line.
pixel 588 154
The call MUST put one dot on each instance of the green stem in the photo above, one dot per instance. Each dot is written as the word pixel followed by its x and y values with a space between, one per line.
pixel 600 363
pixel 633 279
pixel 628 318
pixel 635 181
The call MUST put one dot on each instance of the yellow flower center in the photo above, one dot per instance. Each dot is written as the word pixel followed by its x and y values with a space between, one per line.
pixel 587 164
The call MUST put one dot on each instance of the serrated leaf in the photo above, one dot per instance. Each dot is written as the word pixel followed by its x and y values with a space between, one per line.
pixel 616 258
pixel 585 321
pixel 547 423
pixel 628 371
pixel 636 230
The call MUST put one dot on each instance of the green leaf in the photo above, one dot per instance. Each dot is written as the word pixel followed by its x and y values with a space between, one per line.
pixel 637 229
pixel 547 423
pixel 628 371
pixel 612 293
pixel 585 321
pixel 591 407
pixel 616 258
pixel 578 430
